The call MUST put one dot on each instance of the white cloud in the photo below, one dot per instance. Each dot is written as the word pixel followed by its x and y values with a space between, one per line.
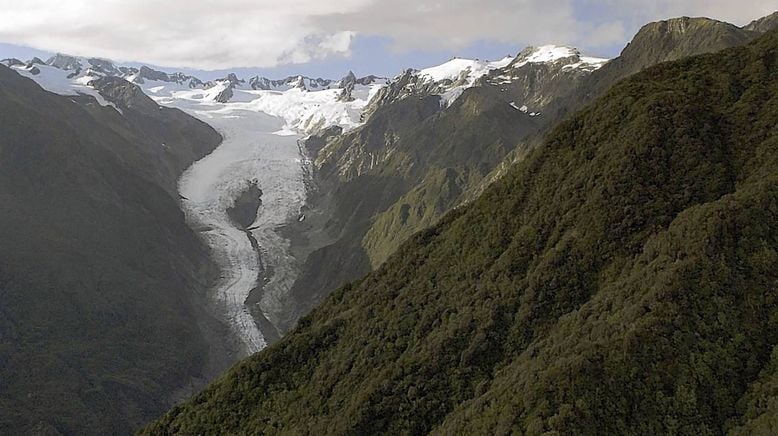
pixel 739 12
pixel 190 33
pixel 267 33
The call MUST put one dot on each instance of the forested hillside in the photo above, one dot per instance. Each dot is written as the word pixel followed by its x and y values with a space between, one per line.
pixel 413 161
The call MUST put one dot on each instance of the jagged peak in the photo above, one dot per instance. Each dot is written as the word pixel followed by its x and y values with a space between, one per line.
pixel 10 62
pixel 764 24
pixel 233 79
pixel 64 62
pixel 682 25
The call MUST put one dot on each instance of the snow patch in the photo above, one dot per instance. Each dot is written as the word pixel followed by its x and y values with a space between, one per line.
pixel 554 53
pixel 456 68
pixel 58 81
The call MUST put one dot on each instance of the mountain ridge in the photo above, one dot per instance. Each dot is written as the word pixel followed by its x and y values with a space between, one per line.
pixel 379 218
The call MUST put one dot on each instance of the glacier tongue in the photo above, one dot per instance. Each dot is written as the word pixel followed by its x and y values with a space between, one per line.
pixel 261 130
pixel 250 151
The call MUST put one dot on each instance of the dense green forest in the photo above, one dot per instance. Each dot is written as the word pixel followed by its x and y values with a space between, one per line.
pixel 413 161
pixel 621 280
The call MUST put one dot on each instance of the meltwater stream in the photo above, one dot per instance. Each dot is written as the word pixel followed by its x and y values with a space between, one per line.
pixel 254 148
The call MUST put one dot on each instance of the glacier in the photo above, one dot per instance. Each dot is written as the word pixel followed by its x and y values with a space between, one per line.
pixel 262 123
pixel 261 131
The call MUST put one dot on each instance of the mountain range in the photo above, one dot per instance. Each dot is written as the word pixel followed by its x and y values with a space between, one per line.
pixel 549 243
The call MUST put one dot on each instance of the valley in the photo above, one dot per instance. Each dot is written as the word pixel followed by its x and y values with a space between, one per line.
pixel 411 255
pixel 261 130
pixel 250 151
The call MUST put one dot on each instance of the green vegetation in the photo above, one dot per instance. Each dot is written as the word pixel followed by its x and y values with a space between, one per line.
pixel 623 279
pixel 442 157
pixel 413 162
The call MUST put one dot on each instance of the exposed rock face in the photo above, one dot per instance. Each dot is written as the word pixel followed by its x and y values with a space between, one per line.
pixel 314 143
pixel 371 79
pixel 104 66
pixel 146 73
pixel 12 62
pixel 302 82
pixel 150 74
pixel 407 84
pixel 65 62
pixel 232 81
pixel 225 96
pixel 765 24
pixel 262 83
pixel 124 94
pixel 347 85
pixel 299 83
pixel 244 210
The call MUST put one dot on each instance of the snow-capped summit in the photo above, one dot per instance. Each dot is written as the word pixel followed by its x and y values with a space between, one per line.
pixel 310 104
pixel 347 84
pixel 64 62
pixel 549 54
pixel 11 62
pixel 451 79
pixel 104 66
pixel 462 70
pixel 300 83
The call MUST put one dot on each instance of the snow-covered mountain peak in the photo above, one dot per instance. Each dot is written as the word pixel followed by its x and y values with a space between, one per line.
pixel 65 62
pixel 306 104
pixel 549 54
pixel 458 69
pixel 451 79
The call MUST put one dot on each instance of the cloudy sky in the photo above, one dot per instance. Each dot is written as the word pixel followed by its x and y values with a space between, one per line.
pixel 327 38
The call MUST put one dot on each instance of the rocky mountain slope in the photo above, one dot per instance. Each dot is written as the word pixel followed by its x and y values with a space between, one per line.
pixel 103 321
pixel 670 40
pixel 619 280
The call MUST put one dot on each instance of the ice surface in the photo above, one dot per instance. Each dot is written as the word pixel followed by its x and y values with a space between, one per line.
pixel 250 151
pixel 55 80
pixel 261 130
